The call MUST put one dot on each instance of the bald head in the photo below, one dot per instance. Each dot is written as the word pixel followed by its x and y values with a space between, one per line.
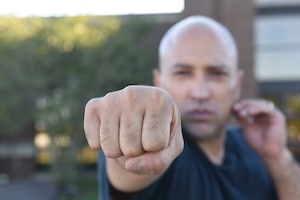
pixel 197 27
pixel 198 67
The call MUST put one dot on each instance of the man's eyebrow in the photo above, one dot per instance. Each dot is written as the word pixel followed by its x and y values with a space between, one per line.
pixel 221 66
pixel 182 65
pixel 212 66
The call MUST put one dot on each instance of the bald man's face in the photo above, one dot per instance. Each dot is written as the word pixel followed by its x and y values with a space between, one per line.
pixel 200 72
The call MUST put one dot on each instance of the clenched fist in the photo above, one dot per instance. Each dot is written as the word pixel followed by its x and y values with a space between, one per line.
pixel 139 124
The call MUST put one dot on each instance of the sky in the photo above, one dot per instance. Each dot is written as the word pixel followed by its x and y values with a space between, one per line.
pixel 22 8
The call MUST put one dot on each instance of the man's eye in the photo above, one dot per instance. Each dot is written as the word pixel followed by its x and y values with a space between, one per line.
pixel 218 73
pixel 182 73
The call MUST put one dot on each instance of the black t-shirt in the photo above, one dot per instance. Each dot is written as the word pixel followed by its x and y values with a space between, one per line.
pixel 192 176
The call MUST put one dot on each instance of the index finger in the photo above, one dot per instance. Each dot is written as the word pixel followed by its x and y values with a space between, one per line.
pixel 254 107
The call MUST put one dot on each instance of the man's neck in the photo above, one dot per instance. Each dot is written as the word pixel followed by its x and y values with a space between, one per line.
pixel 214 149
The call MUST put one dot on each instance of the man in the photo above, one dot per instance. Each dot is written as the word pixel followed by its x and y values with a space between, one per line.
pixel 142 130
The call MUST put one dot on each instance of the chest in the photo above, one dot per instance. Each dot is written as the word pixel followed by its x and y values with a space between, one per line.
pixel 192 176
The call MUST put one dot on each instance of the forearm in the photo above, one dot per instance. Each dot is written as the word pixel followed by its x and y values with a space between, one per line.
pixel 285 172
pixel 125 180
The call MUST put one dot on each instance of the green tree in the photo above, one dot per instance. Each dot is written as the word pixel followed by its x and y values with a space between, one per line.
pixel 32 60
pixel 50 68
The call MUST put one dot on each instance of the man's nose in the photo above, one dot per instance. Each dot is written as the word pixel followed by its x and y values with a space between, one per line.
pixel 200 89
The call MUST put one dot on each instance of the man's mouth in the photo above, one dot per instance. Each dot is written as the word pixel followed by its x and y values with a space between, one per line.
pixel 200 115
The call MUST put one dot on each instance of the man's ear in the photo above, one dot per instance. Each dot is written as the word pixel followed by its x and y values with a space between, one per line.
pixel 239 84
pixel 156 77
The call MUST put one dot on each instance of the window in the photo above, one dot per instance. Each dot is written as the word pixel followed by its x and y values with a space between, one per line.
pixel 278 47
pixel 277 2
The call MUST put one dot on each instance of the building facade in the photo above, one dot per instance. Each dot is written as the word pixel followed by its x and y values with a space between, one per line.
pixel 277 53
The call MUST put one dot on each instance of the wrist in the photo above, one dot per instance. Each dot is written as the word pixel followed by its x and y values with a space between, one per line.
pixel 280 160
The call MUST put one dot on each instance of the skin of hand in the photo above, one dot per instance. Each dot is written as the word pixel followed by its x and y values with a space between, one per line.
pixel 265 131
pixel 138 125
pixel 264 127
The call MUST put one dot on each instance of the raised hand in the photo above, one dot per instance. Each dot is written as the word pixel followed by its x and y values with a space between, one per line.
pixel 139 124
pixel 264 126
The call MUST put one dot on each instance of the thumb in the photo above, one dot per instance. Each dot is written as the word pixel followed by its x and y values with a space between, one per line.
pixel 157 162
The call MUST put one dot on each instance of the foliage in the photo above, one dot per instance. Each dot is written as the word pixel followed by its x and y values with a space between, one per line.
pixel 51 67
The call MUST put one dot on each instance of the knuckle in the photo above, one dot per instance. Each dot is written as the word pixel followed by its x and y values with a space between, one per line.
pixel 131 132
pixel 130 95
pixel 109 96
pixel 160 95
pixel 112 152
pixel 109 100
pixel 130 143
pixel 155 144
pixel 153 122
pixel 94 146
pixel 152 147
pixel 157 136
pixel 129 90
pixel 131 151
pixel 91 105
pixel 109 146
pixel 105 134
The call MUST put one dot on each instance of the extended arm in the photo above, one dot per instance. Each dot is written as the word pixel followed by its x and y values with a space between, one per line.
pixel 139 131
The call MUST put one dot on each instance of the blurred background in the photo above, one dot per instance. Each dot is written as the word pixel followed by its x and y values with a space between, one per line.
pixel 56 55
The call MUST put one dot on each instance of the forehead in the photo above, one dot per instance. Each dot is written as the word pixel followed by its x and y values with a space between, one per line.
pixel 200 46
